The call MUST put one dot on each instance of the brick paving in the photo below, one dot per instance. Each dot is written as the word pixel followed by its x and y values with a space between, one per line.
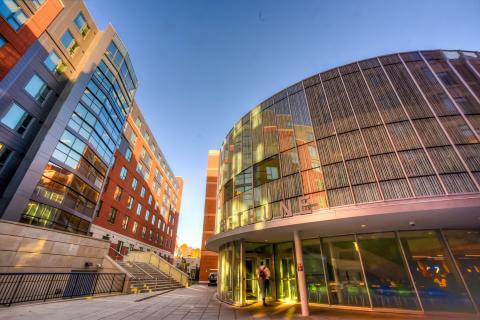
pixel 196 302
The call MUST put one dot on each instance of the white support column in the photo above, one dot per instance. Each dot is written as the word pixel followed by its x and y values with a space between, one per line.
pixel 302 284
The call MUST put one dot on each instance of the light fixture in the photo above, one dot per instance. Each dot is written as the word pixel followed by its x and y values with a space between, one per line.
pixel 363 225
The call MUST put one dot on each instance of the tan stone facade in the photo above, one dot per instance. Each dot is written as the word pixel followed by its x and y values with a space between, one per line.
pixel 209 259
pixel 26 248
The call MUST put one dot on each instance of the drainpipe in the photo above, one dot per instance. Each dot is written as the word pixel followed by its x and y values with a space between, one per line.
pixel 302 285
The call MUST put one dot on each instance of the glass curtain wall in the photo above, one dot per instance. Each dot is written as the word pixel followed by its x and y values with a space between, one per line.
pixel 393 127
pixel 465 247
pixel 386 272
pixel 438 282
pixel 314 274
pixel 344 272
pixel 229 269
pixel 385 268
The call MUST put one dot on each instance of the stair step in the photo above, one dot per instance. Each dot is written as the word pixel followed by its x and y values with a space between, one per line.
pixel 148 278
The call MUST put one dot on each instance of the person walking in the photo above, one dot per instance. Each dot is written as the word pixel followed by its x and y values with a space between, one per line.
pixel 263 275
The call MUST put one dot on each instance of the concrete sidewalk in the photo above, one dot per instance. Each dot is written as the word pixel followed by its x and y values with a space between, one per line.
pixel 196 302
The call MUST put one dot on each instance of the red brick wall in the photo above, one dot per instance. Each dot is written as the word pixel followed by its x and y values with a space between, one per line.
pixel 108 200
pixel 19 41
pixel 209 259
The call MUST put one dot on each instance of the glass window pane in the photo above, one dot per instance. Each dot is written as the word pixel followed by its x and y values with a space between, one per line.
pixel 437 281
pixel 344 271
pixel 465 246
pixel 285 272
pixel 67 39
pixel 314 274
pixel 80 21
pixel 266 171
pixel 386 272
pixel 54 63
pixel 37 88
pixel 14 117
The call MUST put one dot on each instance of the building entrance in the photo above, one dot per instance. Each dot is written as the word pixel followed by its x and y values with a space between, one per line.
pixel 255 253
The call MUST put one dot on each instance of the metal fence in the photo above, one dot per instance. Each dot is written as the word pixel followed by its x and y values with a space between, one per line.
pixel 24 287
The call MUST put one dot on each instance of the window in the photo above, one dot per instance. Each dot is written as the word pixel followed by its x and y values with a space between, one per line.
pixel 118 193
pixel 147 215
pixel 37 3
pixel 82 25
pixel 134 184
pixel 133 138
pixel 38 89
pixel 16 118
pixel 130 202
pixel 123 173
pixel 100 204
pixel 12 13
pixel 138 122
pixel 135 226
pixel 153 219
pixel 112 214
pixel 144 232
pixel 265 171
pixel 2 41
pixel 142 192
pixel 69 42
pixel 139 209
pixel 150 199
pixel 128 154
pixel 4 155
pixel 427 248
pixel 54 63
pixel 150 235
pixel 114 54
pixel 125 222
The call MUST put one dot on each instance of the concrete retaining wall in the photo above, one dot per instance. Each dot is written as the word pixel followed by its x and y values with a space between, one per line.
pixel 26 248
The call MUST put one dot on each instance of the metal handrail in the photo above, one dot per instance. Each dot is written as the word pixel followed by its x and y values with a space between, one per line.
pixel 18 287
pixel 133 262
pixel 171 265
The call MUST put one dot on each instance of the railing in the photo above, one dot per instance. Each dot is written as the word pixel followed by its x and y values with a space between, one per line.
pixel 132 262
pixel 161 264
pixel 24 287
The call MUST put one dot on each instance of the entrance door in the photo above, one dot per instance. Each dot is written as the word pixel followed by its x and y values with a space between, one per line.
pixel 285 271
pixel 255 253
pixel 251 283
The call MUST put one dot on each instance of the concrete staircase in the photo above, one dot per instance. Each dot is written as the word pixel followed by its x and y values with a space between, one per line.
pixel 147 278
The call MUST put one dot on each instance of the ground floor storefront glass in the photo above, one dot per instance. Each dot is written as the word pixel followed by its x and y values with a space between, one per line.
pixel 429 270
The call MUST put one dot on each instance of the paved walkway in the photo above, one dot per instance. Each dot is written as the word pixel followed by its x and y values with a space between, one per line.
pixel 196 302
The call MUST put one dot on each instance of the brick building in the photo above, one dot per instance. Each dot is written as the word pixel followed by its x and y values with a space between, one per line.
pixel 66 89
pixel 139 208
pixel 209 259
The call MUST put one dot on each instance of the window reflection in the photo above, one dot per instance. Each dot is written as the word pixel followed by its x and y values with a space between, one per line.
pixel 465 246
pixel 314 274
pixel 345 278
pixel 437 281
pixel 386 273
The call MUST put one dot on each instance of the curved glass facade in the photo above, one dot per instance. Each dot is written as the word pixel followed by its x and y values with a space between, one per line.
pixel 386 130
pixel 393 127
pixel 421 270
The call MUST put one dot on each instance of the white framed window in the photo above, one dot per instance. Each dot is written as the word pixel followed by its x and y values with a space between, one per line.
pixel 16 118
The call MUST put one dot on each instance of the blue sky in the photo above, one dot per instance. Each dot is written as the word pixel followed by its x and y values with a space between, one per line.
pixel 203 64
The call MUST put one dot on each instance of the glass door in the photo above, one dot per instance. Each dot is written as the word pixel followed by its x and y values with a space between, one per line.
pixel 251 287
pixel 285 272
pixel 255 253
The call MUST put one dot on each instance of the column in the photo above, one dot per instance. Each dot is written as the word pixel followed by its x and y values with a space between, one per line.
pixel 302 285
